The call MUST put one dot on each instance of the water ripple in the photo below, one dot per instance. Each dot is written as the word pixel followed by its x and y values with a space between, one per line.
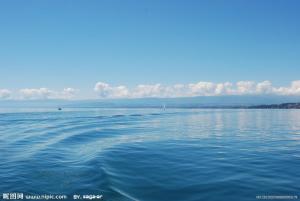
pixel 152 154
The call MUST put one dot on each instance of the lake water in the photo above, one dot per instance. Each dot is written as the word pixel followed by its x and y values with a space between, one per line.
pixel 151 154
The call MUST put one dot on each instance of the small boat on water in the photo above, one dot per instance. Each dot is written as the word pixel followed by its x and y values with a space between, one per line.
pixel 59 108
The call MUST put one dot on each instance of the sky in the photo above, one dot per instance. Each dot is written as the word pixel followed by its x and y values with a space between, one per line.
pixel 134 48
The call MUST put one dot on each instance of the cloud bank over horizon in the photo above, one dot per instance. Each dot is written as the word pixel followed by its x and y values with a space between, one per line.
pixel 45 93
pixel 37 94
pixel 104 90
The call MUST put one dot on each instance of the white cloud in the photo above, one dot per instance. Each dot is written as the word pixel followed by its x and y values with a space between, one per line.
pixel 105 90
pixel 202 89
pixel 45 93
pixel 149 91
pixel 41 93
pixel 245 87
pixel 264 87
pixel 68 93
pixel 294 89
pixel 224 88
pixel 5 94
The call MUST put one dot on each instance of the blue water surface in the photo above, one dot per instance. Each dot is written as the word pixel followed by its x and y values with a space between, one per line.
pixel 151 154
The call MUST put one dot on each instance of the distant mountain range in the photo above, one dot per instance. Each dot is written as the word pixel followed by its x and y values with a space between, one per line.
pixel 189 102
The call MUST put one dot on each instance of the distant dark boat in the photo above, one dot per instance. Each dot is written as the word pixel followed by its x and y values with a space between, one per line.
pixel 59 108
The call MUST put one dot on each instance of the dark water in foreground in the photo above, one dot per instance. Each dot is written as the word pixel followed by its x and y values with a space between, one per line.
pixel 152 155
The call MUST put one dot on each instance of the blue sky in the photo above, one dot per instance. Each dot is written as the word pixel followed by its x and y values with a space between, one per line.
pixel 57 43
